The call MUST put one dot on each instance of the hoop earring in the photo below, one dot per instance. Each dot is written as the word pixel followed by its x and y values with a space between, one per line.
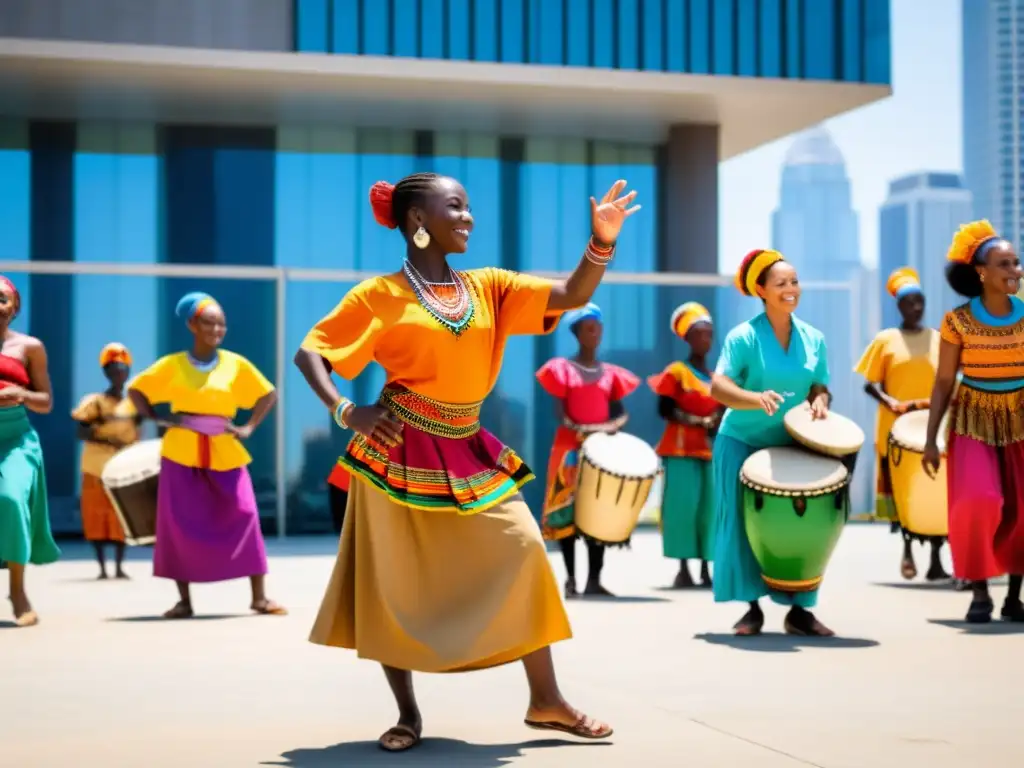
pixel 421 239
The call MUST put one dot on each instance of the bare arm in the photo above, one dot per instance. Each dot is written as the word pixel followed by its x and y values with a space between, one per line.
pixel 259 411
pixel 875 392
pixel 317 373
pixel 141 403
pixel 40 398
pixel 578 289
pixel 731 395
pixel 945 382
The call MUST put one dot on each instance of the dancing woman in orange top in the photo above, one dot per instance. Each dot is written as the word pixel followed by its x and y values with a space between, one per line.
pixel 984 340
pixel 442 567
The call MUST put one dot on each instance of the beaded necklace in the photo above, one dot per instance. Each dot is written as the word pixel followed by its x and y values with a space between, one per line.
pixel 454 313
pixel 201 365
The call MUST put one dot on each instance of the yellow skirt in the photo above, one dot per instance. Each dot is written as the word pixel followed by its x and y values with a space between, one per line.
pixel 440 592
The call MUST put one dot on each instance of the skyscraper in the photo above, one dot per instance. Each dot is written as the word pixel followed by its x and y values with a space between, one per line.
pixel 993 75
pixel 816 229
pixel 915 225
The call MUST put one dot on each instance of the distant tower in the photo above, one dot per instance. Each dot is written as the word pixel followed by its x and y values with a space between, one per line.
pixel 915 226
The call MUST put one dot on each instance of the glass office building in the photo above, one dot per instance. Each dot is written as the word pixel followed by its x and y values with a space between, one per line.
pixel 160 146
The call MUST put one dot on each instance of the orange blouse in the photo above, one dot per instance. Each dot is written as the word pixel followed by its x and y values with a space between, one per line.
pixel 989 405
pixel 381 320
pixel 691 392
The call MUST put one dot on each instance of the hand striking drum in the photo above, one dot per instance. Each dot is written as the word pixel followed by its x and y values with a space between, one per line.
pixel 769 366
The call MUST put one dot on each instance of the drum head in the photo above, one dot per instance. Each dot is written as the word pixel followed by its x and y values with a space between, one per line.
pixel 621 454
pixel 792 471
pixel 910 430
pixel 131 464
pixel 835 435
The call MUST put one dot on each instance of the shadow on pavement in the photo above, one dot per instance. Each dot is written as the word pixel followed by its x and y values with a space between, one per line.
pixel 929 586
pixel 429 752
pixel 776 642
pixel 995 627
pixel 197 617
pixel 619 599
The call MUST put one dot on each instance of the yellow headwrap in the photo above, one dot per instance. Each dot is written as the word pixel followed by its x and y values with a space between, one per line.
pixel 967 241
pixel 903 281
pixel 752 267
pixel 686 316
pixel 115 353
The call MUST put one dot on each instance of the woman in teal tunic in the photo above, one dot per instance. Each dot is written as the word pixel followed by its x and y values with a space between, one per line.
pixel 768 366
pixel 24 518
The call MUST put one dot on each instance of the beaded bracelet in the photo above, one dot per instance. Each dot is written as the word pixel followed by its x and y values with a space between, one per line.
pixel 341 411
pixel 599 254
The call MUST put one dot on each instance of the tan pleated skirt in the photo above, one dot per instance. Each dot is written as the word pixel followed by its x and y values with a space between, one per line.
pixel 437 591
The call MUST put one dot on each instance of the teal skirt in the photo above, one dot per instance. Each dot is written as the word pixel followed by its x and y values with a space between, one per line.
pixel 25 535
pixel 688 509
pixel 737 574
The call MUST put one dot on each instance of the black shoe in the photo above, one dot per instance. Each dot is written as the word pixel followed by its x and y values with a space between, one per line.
pixel 980 611
pixel 1013 610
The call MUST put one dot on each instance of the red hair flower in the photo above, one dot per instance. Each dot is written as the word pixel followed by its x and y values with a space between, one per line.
pixel 381 194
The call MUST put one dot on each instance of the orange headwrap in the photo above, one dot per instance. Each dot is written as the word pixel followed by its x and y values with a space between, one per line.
pixel 752 267
pixel 686 316
pixel 903 281
pixel 115 353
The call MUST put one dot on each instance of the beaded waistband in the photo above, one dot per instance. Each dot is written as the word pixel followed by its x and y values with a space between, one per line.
pixel 455 421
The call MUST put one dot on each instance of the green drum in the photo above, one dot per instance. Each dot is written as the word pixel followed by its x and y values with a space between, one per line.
pixel 795 504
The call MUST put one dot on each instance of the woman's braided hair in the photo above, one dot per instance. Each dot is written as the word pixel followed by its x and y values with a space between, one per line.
pixel 391 203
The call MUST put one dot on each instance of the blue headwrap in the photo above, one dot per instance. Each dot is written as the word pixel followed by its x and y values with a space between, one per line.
pixel 908 290
pixel 985 247
pixel 191 304
pixel 574 317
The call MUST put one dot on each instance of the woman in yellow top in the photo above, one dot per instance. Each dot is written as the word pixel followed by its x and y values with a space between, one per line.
pixel 207 524
pixel 107 422
pixel 899 366
pixel 442 567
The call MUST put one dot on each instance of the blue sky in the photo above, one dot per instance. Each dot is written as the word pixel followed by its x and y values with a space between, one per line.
pixel 917 128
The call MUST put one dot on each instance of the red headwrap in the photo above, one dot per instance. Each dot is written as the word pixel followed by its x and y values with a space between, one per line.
pixel 381 194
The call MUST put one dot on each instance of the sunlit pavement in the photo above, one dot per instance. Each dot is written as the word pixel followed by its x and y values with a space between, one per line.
pixel 103 682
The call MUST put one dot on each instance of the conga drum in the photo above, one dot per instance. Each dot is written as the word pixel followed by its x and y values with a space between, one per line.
pixel 130 479
pixel 616 474
pixel 795 504
pixel 835 435
pixel 921 501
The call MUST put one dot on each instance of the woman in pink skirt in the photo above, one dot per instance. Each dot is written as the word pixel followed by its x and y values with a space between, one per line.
pixel 208 524
pixel 984 341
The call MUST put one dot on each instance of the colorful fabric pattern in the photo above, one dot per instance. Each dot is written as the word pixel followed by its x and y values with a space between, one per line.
pixel 233 383
pixel 446 462
pixel 686 316
pixel 990 403
pixel 690 389
pixel 585 401
pixel 903 282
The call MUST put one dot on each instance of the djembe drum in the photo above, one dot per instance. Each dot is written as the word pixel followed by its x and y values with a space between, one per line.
pixel 920 500
pixel 795 504
pixel 131 479
pixel 616 473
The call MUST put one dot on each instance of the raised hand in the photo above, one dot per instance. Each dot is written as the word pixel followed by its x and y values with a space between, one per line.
pixel 606 217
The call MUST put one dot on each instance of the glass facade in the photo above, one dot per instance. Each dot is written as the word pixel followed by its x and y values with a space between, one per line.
pixel 799 39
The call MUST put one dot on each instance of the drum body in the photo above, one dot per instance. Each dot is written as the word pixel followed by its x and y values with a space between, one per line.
pixel 795 505
pixel 131 480
pixel 616 474
pixel 921 502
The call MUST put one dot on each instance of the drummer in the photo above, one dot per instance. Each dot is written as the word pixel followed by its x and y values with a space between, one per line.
pixel 768 366
pixel 692 417
pixel 984 341
pixel 208 524
pixel 588 398
pixel 899 366
pixel 107 422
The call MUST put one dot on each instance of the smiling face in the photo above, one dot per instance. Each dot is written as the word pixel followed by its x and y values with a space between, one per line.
pixel 209 326
pixel 446 216
pixel 1001 271
pixel 9 303
pixel 781 287
pixel 911 308
pixel 699 337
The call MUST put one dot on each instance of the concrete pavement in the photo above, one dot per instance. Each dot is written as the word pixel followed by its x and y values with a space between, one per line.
pixel 103 682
